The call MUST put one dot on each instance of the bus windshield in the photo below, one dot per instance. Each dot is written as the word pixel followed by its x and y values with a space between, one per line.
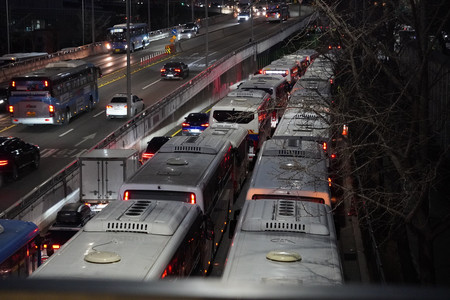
pixel 234 116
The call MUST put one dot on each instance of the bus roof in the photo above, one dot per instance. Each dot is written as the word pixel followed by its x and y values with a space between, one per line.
pixel 56 70
pixel 13 235
pixel 232 132
pixel 240 101
pixel 288 168
pixel 183 164
pixel 310 125
pixel 132 26
pixel 262 240
pixel 127 240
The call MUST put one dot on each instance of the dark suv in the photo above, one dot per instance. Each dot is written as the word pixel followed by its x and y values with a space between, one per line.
pixel 174 70
pixel 15 155
pixel 153 146
pixel 195 123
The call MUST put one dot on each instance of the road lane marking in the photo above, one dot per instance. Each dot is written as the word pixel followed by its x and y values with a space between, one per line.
pixel 100 113
pixel 149 85
pixel 63 134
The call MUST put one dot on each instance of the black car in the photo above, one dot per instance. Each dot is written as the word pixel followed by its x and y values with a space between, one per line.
pixel 3 98
pixel 195 123
pixel 69 220
pixel 174 70
pixel 15 155
pixel 192 26
pixel 153 146
pixel 73 214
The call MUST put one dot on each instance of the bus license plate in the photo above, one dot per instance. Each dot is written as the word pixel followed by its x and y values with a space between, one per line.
pixel 31 113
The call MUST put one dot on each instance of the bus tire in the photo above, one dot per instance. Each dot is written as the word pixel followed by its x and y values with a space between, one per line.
pixel 67 117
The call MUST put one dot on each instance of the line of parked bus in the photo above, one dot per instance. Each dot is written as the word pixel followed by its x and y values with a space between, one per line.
pixel 171 215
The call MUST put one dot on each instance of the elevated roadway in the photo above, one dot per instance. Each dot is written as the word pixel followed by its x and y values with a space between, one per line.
pixel 61 145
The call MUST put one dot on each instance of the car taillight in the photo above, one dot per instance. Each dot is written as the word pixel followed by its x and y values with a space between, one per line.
pixel 205 125
pixel 163 70
pixel 56 246
pixel 3 163
pixel 147 155
pixel 51 110
pixel 108 106
pixel 11 109
pixel 177 70
pixel 185 124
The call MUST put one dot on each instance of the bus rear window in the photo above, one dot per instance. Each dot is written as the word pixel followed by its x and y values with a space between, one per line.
pixel 289 197
pixel 229 116
pixel 30 85
pixel 159 195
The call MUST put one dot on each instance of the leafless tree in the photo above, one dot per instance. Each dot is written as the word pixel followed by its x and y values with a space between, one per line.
pixel 383 95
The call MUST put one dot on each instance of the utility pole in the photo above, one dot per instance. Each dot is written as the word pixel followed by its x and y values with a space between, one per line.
pixel 7 26
pixel 128 59
pixel 93 21
pixel 149 21
pixel 206 20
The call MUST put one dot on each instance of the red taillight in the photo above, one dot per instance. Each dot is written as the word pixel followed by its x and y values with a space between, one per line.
pixel 51 110
pixel 205 125
pixel 46 83
pixel 108 106
pixel 13 83
pixel 329 181
pixel 329 47
pixel 177 70
pixel 333 155
pixel 11 109
pixel 163 70
pixel 56 247
pixel 185 124
pixel 147 155
pixel 325 146
pixel 3 163
pixel 192 200
pixel 344 130
pixel 286 72
pixel 126 196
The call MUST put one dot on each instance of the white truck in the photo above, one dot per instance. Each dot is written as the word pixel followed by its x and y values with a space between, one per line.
pixel 103 171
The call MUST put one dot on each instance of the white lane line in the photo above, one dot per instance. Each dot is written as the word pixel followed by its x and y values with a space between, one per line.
pixel 149 85
pixel 192 63
pixel 63 134
pixel 100 113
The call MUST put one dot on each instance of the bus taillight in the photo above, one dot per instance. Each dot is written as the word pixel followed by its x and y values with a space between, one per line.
pixel 11 109
pixel 126 196
pixel 325 146
pixel 46 83
pixel 193 200
pixel 51 110
pixel 13 83
pixel 56 246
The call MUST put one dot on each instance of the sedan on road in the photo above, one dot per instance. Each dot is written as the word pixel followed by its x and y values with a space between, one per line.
pixel 195 123
pixel 117 107
pixel 16 155
pixel 174 70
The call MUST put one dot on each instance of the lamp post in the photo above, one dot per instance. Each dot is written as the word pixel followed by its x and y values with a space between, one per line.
pixel 93 21
pixel 206 20
pixel 82 21
pixel 7 26
pixel 149 22
pixel 128 60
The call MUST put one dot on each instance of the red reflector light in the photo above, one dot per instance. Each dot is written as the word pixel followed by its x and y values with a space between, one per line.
pixel 3 163
pixel 126 196
pixel 192 199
